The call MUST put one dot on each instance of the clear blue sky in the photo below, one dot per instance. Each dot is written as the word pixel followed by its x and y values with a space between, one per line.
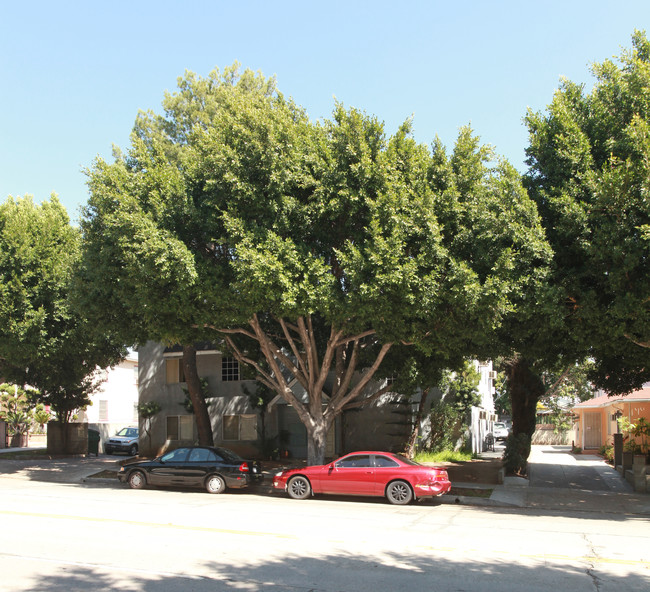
pixel 75 74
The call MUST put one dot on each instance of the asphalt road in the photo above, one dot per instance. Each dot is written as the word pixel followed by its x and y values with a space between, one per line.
pixel 71 537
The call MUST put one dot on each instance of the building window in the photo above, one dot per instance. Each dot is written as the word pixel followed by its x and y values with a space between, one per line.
pixel 240 427
pixel 229 369
pixel 174 369
pixel 103 410
pixel 180 427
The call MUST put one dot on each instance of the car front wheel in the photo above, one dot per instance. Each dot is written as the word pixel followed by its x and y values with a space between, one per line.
pixel 399 493
pixel 133 451
pixel 299 487
pixel 137 480
pixel 215 484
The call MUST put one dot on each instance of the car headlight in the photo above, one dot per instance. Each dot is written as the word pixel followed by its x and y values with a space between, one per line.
pixel 279 474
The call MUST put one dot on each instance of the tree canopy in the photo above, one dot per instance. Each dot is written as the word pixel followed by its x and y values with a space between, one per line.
pixel 44 341
pixel 589 159
pixel 321 246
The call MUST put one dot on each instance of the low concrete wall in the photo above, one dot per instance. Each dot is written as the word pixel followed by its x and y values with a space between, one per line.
pixel 71 438
pixel 545 435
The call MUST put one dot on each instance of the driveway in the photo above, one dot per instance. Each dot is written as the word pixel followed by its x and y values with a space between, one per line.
pixel 557 467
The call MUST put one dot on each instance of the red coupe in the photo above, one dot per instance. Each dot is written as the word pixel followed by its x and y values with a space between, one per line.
pixel 366 473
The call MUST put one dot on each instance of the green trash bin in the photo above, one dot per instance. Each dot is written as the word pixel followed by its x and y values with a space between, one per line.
pixel 93 442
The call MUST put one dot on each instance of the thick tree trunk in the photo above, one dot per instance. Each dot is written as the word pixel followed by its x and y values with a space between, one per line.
pixel 415 432
pixel 203 424
pixel 526 389
pixel 297 351
pixel 316 443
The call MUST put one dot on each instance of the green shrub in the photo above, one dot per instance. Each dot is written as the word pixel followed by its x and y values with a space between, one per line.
pixel 445 422
pixel 607 451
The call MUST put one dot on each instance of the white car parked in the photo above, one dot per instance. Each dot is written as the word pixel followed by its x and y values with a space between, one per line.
pixel 500 430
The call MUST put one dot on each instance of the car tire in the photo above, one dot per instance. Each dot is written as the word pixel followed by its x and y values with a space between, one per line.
pixel 133 451
pixel 108 450
pixel 299 487
pixel 215 484
pixel 137 480
pixel 399 493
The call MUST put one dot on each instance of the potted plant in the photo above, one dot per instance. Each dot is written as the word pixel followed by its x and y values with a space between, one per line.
pixel 18 423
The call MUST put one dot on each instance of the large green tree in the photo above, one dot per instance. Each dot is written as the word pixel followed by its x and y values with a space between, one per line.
pixel 320 247
pixel 589 158
pixel 45 341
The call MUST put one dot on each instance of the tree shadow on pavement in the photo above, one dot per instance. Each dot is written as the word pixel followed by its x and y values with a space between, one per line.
pixel 341 572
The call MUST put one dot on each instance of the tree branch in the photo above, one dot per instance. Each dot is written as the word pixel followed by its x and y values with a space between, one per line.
pixel 635 342
pixel 367 400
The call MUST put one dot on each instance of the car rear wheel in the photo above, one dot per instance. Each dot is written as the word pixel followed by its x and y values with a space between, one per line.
pixel 299 487
pixel 137 480
pixel 215 484
pixel 399 493
pixel 133 451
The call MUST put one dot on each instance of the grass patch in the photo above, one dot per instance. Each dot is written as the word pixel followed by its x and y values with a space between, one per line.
pixel 444 456
pixel 25 455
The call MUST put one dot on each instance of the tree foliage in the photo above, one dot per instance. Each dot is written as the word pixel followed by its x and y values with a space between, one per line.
pixel 589 159
pixel 460 388
pixel 45 341
pixel 324 246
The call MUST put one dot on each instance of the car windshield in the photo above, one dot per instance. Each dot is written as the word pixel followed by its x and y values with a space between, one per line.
pixel 128 432
pixel 501 426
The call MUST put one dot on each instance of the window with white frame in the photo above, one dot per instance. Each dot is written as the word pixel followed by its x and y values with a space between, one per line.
pixel 180 427
pixel 229 369
pixel 240 427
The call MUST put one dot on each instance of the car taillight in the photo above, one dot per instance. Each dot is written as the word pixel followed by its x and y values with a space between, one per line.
pixel 244 468
pixel 442 476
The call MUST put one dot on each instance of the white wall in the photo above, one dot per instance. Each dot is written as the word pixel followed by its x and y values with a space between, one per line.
pixel 119 392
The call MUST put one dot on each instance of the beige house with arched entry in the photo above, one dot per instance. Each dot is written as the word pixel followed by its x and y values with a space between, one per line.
pixel 597 417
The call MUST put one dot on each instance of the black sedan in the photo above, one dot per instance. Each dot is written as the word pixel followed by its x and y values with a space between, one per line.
pixel 215 469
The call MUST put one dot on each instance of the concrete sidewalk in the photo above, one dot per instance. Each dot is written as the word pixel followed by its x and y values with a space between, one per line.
pixel 561 481
pixel 70 469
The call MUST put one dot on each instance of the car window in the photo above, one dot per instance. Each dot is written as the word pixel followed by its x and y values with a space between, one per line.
pixel 407 461
pixel 384 461
pixel 178 455
pixel 227 455
pixel 358 460
pixel 202 455
pixel 132 433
